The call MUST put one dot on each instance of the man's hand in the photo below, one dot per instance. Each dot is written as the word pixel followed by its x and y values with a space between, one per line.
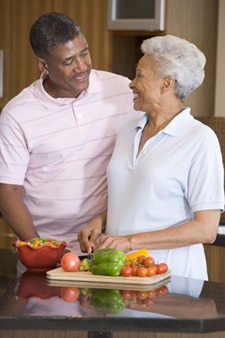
pixel 90 235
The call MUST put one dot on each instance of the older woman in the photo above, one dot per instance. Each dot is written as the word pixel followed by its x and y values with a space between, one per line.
pixel 165 178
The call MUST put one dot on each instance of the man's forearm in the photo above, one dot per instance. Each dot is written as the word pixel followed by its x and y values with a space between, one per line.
pixel 15 212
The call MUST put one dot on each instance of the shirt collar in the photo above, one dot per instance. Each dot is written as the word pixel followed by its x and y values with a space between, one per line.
pixel 48 101
pixel 175 127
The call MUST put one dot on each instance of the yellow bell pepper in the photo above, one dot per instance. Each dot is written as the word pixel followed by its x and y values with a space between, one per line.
pixel 132 257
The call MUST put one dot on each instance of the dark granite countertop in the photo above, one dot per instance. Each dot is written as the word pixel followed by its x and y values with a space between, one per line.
pixel 176 305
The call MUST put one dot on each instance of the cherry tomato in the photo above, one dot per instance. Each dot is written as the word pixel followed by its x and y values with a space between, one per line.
pixel 70 294
pixel 70 262
pixel 149 301
pixel 151 270
pixel 126 271
pixel 141 259
pixel 134 294
pixel 162 268
pixel 134 270
pixel 161 291
pixel 149 261
pixel 126 294
pixel 142 271
pixel 142 294
pixel 151 293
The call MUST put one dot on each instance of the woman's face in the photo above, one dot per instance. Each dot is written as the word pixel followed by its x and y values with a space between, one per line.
pixel 146 85
pixel 67 69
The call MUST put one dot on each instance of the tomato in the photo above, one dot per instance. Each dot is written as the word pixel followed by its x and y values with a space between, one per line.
pixel 142 271
pixel 70 294
pixel 151 270
pixel 161 291
pixel 126 271
pixel 149 301
pixel 142 294
pixel 126 294
pixel 134 270
pixel 151 293
pixel 162 268
pixel 134 294
pixel 70 262
pixel 141 259
pixel 149 261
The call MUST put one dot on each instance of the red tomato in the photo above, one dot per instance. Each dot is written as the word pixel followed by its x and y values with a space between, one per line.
pixel 70 262
pixel 126 294
pixel 142 272
pixel 141 259
pixel 149 301
pixel 151 270
pixel 161 291
pixel 149 261
pixel 162 268
pixel 151 293
pixel 134 270
pixel 126 271
pixel 70 294
pixel 142 294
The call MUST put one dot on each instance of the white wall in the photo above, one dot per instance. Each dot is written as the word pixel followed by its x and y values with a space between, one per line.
pixel 220 69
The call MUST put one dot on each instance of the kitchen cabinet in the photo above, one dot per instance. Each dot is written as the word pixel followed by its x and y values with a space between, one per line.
pixel 215 256
pixel 7 237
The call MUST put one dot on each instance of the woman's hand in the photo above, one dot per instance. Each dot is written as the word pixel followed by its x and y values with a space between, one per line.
pixel 117 242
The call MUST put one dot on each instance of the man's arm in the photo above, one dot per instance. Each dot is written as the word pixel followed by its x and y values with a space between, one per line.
pixel 15 212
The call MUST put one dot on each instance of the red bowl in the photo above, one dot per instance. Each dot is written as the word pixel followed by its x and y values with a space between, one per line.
pixel 44 257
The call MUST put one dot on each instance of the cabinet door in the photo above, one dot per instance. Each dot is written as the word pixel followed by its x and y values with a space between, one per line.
pixel 215 256
pixel 7 237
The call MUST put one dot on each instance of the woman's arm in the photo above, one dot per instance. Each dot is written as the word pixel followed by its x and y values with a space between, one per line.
pixel 203 229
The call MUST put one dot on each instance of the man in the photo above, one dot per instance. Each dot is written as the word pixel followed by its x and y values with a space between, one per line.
pixel 57 136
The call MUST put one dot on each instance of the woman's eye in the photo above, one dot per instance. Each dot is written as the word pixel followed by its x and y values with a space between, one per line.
pixel 138 75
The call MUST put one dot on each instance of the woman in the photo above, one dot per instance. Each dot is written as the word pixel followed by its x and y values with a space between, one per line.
pixel 165 178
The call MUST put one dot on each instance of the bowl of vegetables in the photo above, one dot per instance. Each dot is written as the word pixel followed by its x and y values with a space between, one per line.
pixel 39 253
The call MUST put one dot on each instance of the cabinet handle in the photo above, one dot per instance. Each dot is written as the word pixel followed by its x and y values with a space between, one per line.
pixel 9 235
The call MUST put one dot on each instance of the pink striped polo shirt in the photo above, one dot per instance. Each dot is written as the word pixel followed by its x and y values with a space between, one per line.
pixel 58 149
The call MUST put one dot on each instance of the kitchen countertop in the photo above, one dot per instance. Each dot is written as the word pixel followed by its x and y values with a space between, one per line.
pixel 178 305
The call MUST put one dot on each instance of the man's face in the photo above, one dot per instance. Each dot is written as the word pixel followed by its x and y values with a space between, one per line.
pixel 67 69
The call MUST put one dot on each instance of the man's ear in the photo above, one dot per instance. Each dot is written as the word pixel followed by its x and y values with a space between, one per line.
pixel 42 65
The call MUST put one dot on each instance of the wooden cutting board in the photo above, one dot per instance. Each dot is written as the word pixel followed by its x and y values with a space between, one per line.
pixel 87 279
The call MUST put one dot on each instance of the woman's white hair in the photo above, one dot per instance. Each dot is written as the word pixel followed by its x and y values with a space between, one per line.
pixel 179 59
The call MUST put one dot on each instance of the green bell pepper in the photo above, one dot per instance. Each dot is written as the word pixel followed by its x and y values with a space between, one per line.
pixel 108 261
pixel 107 301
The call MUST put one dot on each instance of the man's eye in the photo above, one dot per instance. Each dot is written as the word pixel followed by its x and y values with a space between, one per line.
pixel 68 62
pixel 83 55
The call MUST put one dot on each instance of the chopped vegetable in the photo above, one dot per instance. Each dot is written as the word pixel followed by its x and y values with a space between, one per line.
pixel 85 265
pixel 38 242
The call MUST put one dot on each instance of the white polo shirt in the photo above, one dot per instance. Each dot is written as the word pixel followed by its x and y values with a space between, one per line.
pixel 179 171
pixel 58 149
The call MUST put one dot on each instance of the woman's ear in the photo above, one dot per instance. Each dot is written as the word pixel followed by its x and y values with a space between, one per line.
pixel 42 65
pixel 167 83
